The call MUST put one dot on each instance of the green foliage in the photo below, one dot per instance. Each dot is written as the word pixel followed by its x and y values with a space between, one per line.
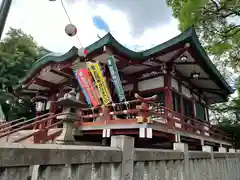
pixel 18 51
pixel 232 129
pixel 216 24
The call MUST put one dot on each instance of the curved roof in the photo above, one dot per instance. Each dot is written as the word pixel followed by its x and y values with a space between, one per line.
pixel 189 36
pixel 47 59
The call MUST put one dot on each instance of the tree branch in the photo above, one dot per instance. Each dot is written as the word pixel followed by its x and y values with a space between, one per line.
pixel 229 30
pixel 232 28
pixel 216 5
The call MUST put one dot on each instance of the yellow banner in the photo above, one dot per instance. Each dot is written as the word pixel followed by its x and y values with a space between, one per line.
pixel 100 81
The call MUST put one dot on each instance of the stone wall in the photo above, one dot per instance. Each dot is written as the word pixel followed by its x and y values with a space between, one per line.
pixel 170 165
pixel 118 162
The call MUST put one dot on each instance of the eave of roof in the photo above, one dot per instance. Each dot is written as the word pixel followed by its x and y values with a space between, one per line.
pixel 108 40
pixel 47 59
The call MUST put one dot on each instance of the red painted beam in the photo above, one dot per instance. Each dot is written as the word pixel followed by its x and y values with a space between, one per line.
pixel 184 63
pixel 61 73
pixel 199 78
pixel 149 70
pixel 124 64
pixel 179 53
pixel 44 83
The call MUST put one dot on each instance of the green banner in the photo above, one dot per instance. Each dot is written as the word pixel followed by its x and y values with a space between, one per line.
pixel 115 78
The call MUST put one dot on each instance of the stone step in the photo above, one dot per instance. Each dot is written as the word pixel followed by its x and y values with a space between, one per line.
pixel 22 133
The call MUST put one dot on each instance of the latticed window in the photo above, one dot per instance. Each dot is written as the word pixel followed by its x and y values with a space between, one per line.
pixel 157 106
pixel 200 111
pixel 176 102
pixel 188 107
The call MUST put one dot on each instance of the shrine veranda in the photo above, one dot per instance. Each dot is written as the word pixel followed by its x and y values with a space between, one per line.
pixel 159 96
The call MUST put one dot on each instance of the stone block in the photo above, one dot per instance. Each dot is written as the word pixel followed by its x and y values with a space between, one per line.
pixel 126 144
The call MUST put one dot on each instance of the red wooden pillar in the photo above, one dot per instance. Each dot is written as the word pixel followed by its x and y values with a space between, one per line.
pixel 135 87
pixel 37 137
pixel 79 112
pixel 181 100
pixel 168 98
pixel 182 113
pixel 42 133
pixel 105 114
pixel 168 91
pixel 53 108
pixel 207 112
pixel 193 106
pixel 38 113
pixel 196 125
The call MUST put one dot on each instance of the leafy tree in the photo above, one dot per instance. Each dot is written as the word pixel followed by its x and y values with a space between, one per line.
pixel 18 51
pixel 217 22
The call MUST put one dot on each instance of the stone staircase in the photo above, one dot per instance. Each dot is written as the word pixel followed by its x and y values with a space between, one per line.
pixel 23 133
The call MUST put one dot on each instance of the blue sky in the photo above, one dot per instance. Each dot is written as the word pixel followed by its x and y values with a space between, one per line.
pixel 136 24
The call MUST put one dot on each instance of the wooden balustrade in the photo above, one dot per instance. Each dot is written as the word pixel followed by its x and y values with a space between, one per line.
pixel 146 110
pixel 40 135
pixel 194 126
pixel 9 123
pixel 11 127
pixel 140 110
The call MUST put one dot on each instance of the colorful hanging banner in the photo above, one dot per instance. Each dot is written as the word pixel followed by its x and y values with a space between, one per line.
pixel 86 83
pixel 84 92
pixel 115 78
pixel 100 82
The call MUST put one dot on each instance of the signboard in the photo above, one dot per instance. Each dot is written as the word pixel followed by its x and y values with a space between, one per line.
pixel 100 82
pixel 86 83
pixel 115 78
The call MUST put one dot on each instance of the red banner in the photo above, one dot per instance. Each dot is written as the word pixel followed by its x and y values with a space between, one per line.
pixel 86 83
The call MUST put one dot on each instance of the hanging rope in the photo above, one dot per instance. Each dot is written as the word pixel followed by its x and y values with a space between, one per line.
pixel 69 19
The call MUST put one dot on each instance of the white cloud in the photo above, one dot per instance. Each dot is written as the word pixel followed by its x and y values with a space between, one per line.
pixel 46 21
pixel 160 34
pixel 121 29
pixel 141 14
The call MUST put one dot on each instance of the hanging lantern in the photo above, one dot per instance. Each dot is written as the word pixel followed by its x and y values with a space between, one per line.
pixel 70 30
pixel 82 52
pixel 40 106
pixel 40 103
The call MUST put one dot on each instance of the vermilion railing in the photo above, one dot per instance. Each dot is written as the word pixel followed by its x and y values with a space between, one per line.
pixel 40 135
pixel 43 133
pixel 9 127
pixel 169 118
pixel 6 124
pixel 119 113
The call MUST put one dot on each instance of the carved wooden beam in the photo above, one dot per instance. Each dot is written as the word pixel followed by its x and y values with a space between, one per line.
pixel 124 63
pixel 194 86
pixel 179 53
pixel 44 83
pixel 149 70
pixel 61 73
pixel 184 63
pixel 210 89
pixel 199 78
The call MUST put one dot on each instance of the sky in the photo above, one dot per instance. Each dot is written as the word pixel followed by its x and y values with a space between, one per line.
pixel 136 24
